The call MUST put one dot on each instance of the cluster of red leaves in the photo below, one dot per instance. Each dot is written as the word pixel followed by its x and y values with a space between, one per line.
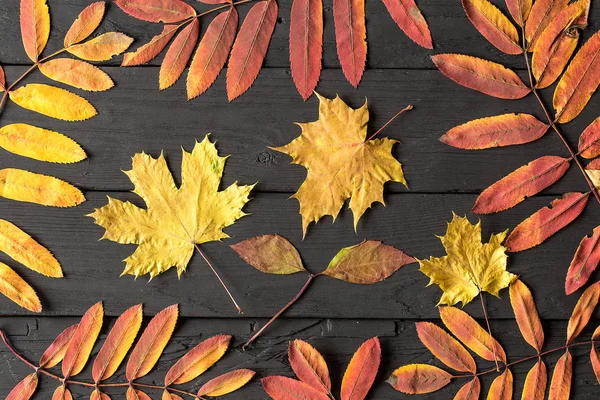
pixel 425 378
pixel 247 48
pixel 550 29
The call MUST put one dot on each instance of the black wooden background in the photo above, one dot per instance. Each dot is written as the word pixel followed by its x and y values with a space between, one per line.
pixel 334 316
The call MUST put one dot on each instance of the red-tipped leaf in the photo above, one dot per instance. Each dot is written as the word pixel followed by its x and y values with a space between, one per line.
pixel 560 385
pixel 56 351
pixel 151 49
pixel 583 311
pixel 226 383
pixel 178 55
pixel 284 388
pixel 35 27
pixel 502 387
pixel 361 371
pixel 542 12
pixel 526 314
pixel 306 44
pixel 493 25
pixel 24 389
pixel 534 387
pixel 309 366
pixel 85 24
pixel 350 35
pixel 469 391
pixel 589 141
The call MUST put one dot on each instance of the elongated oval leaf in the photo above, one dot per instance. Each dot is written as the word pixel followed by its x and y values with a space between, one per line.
pixel 103 47
pixel 482 75
pixel 546 222
pixel 250 47
pixel 519 10
pixel 535 382
pixel 560 385
pixel 2 80
pixel 584 262
pixel 526 314
pixel 226 383
pixel 271 254
pixel 82 342
pixel 468 331
pixel 179 54
pixel 350 35
pixel 447 349
pixel 170 396
pixel 583 311
pixel 98 395
pixel 40 144
pixel 56 351
pixel 158 10
pixel 24 389
pixel 76 73
pixel 62 393
pixel 151 49
pixel 496 131
pixel 419 379
pixel 17 184
pixel 53 102
pixel 595 356
pixel 35 27
pixel 86 23
pixel 469 391
pixel 153 341
pixel 16 289
pixel 521 183
pixel 542 12
pixel 561 52
pixel 212 53
pixel 502 387
pixel 361 371
pixel 409 18
pixel 284 388
pixel 117 343
pixel 135 394
pixel 309 366
pixel 493 25
pixel 589 141
pixel 306 44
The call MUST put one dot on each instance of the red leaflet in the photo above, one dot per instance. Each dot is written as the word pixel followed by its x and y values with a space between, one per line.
pixel 519 10
pixel 560 386
pixel 361 371
pixel 306 44
pixel 584 262
pixel 35 26
pixel 134 394
pixel 214 1
pixel 170 396
pixel 350 35
pixel 502 387
pixel 409 18
pixel 419 379
pixel 24 389
pixel 521 183
pixel 482 75
pixel 179 54
pixel 542 12
pixel 284 388
pixel 2 79
pixel 535 382
pixel 547 221
pixel 589 141
pixel 157 10
pixel 62 393
pixel 447 349
pixel 594 356
pixel 151 49
pixel 493 25
pixel 469 391
pixel 82 342
pixel 308 365
pixel 85 24
pixel 526 315
pixel 212 53
pixel 226 383
pixel 583 311
pixel 56 351
pixel 496 131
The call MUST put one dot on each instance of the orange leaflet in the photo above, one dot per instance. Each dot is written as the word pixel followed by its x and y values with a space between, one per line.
pixel 102 48
pixel 535 382
pixel 134 394
pixel 35 27
pixel 542 12
pixel 308 365
pixel 85 24
pixel 502 387
pixel 284 388
pixel 212 53
pixel 62 393
pixel 98 395
pixel 24 389
pixel 584 262
pixel 447 349
pixel 198 360
pixel 170 396
pixel 469 391
pixel 484 76
pixel 361 371
pixel 76 73
pixel 271 254
pixel 589 141
pixel 214 1
pixel 179 54
pixel 521 183
pixel 579 81
pixel 409 18
pixel 419 379
pixel 226 383
pixel 250 47
pixel 117 343
pixel 151 49
pixel 56 351
pixel 519 10
pixel 468 331
pixel 306 44
pixel 560 386
pixel 493 25
pixel 82 342
pixel 583 311
pixel 526 314
pixel 546 221
pixel 594 356
pixel 153 341
pixel 350 35
pixel 496 131
pixel 157 10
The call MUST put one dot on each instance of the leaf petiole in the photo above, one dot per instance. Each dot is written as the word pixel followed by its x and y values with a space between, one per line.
pixel 407 108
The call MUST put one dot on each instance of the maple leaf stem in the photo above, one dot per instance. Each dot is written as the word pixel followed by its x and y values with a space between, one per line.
pixel 288 305
pixel 239 309
pixel 489 328
pixel 407 108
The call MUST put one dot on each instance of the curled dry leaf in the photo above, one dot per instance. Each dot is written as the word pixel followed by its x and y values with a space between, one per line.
pixel 419 379
pixel 447 349
pixel 526 315
pixel 584 262
pixel 76 73
pixel 350 36
pixel 16 289
pixel 309 365
pixel 560 385
pixel 306 44
pixel 57 349
pixel 83 339
pixel 166 11
pixel 493 25
pixel 17 184
pixel 583 311
pixel 53 102
pixel 85 24
pixel 410 19
pixel 534 387
pixel 103 47
pixel 226 383
pixel 35 27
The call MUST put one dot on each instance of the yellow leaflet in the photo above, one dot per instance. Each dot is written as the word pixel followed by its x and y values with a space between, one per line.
pixel 53 102
pixel 77 73
pixel 103 47
pixel 17 184
pixel 16 289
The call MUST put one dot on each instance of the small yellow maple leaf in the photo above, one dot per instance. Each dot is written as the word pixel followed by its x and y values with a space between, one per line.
pixel 341 163
pixel 470 266
pixel 176 218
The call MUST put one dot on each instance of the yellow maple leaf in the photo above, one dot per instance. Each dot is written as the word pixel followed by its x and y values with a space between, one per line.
pixel 176 219
pixel 341 163
pixel 470 266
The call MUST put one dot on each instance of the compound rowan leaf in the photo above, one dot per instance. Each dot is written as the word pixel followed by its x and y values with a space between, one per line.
pixel 117 343
pixel 157 10
pixel 102 48
pixel 589 141
pixel 86 23
pixel 524 182
pixel 408 17
pixel 493 25
pixel 497 131
pixel 76 73
pixel 306 44
pixel 350 35
pixel 502 387
pixel 534 387
pixel 226 383
pixel 153 341
pixel 62 393
pixel 542 12
pixel 17 184
pixel 35 27
pixel 519 10
pixel 546 222
pixel 526 314
pixel 179 54
pixel 341 163
pixel 361 371
pixel 82 342
pixel 584 262
pixel 24 389
pixel 135 394
pixel 469 391
pixel 445 348
pixel 271 254
pixel 560 385
pixel 583 311
pixel 470 266
pixel 309 366
pixel 176 218
pixel 56 351
pixel 53 102
pixel 250 47
pixel 16 289
pixel 284 388
pixel 151 49
pixel 212 52
pixel 419 379
pixel 482 75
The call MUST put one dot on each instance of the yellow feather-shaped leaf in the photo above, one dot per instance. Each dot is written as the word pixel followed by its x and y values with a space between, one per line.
pixel 53 102
pixel 16 289
pixel 21 185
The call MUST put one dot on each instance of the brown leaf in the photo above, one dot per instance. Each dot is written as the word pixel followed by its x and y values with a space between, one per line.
pixel 271 254
pixel 86 23
pixel 493 25
pixel 502 387
pixel 24 389
pixel 535 382
pixel 350 35
pixel 447 349
pixel 584 262
pixel 82 342
pixel 583 311
pixel 469 391
pixel 526 315
pixel 157 11
pixel 56 351
pixel 361 371
pixel 226 383
pixel 151 49
pixel 35 27
pixel 408 17
pixel 179 54
pixel 16 289
pixel 306 44
pixel 589 141
pixel 419 379
pixel 284 388
pixel 560 386
pixel 309 366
